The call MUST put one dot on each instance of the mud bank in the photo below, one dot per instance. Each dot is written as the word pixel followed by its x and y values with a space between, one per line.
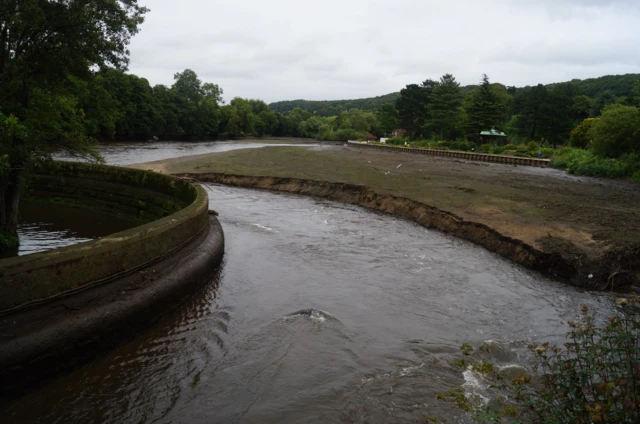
pixel 602 274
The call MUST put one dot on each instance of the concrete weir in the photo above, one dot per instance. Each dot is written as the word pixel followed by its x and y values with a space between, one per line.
pixel 62 306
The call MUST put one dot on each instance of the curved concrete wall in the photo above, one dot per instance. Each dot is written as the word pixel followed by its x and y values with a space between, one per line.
pixel 39 276
pixel 461 155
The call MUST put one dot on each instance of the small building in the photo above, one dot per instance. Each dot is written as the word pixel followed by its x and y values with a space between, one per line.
pixel 371 138
pixel 398 133
pixel 493 136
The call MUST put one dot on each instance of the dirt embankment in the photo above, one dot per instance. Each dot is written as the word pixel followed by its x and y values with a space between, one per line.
pixel 583 229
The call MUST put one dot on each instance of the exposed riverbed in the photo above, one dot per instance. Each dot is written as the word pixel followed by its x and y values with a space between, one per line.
pixel 321 313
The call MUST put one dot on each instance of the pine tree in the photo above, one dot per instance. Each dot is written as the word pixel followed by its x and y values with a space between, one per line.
pixel 484 111
pixel 444 108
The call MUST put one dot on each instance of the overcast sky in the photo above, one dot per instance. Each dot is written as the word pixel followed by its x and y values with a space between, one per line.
pixel 340 49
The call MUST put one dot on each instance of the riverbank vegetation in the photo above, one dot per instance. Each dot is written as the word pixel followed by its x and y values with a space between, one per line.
pixel 593 378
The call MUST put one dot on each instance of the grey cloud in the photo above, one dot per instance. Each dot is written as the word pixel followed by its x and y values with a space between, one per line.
pixel 284 49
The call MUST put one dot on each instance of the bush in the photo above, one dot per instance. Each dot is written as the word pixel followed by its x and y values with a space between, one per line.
pixel 420 144
pixel 547 152
pixel 398 141
pixel 595 377
pixel 350 134
pixel 510 147
pixel 484 148
pixel 617 131
pixel 533 146
pixel 581 135
pixel 465 146
pixel 584 162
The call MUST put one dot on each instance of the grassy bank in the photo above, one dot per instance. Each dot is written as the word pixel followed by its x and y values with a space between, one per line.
pixel 574 161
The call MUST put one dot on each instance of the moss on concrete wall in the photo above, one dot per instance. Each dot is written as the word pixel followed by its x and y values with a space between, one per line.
pixel 126 192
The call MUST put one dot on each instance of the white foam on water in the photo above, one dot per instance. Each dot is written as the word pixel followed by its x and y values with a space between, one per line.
pixel 475 387
pixel 262 227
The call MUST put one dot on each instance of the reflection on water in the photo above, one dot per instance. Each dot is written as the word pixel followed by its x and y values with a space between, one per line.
pixel 322 312
pixel 121 153
pixel 48 226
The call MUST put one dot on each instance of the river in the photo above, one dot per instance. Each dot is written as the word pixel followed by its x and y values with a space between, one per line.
pixel 321 312
pixel 44 227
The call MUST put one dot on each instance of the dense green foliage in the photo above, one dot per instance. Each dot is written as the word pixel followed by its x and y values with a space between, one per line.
pixel 619 86
pixel 594 377
pixel 48 96
pixel 585 162
pixel 617 131
pixel 333 107
pixel 581 135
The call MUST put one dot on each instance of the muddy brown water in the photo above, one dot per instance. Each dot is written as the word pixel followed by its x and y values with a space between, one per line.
pixel 321 312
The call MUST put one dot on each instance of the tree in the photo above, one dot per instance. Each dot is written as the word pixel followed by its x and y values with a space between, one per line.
pixel 604 99
pixel 581 135
pixel 556 118
pixel 43 46
pixel 617 131
pixel 444 108
pixel 532 112
pixel 197 109
pixel 387 118
pixel 412 106
pixel 484 111
pixel 581 107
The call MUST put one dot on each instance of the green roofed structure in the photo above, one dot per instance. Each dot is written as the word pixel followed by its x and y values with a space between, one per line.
pixel 493 136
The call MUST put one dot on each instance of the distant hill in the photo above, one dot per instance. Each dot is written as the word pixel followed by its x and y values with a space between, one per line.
pixel 619 85
pixel 334 107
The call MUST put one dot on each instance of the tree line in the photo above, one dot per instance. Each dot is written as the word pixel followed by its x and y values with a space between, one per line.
pixel 121 106
pixel 439 109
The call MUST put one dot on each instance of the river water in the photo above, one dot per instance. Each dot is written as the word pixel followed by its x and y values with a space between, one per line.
pixel 45 227
pixel 321 312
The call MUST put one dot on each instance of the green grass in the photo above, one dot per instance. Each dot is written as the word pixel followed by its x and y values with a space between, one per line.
pixel 584 162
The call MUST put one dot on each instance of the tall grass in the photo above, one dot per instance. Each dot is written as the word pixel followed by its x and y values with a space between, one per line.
pixel 584 162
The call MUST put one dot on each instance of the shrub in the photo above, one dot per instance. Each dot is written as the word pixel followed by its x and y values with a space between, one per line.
pixel 617 131
pixel 584 162
pixel 595 377
pixel 581 135
pixel 398 141
pixel 420 143
pixel 8 241
pixel 484 148
pixel 510 147
pixel 547 152
pixel 465 146
pixel 350 134
pixel 533 146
